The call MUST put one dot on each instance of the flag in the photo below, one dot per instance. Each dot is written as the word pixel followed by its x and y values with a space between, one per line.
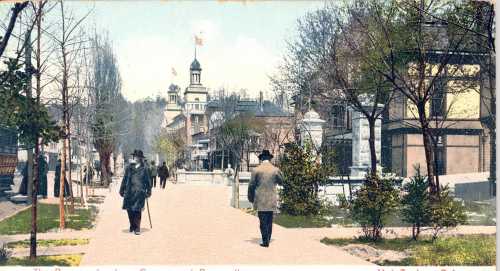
pixel 174 72
pixel 198 40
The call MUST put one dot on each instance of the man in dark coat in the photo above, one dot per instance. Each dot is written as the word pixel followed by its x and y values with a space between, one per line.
pixel 262 193
pixel 23 188
pixel 163 173
pixel 57 181
pixel 135 188
pixel 43 168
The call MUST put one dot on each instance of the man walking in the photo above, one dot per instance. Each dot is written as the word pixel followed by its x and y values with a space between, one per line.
pixel 163 173
pixel 154 173
pixel 135 188
pixel 262 193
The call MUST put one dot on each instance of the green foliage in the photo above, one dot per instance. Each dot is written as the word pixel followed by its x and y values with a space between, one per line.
pixel 48 218
pixel 169 145
pixel 236 134
pixel 472 250
pixel 53 260
pixel 373 203
pixel 29 118
pixel 469 250
pixel 5 253
pixel 415 209
pixel 303 174
pixel 445 212
pixel 292 221
pixel 48 243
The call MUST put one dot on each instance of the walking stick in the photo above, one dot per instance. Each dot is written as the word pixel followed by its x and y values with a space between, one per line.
pixel 149 214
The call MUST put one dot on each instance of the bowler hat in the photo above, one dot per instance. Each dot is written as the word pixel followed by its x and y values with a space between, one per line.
pixel 265 155
pixel 138 153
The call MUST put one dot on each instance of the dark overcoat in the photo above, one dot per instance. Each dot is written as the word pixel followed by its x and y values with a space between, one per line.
pixel 163 172
pixel 42 183
pixel 262 187
pixel 43 168
pixel 57 182
pixel 135 187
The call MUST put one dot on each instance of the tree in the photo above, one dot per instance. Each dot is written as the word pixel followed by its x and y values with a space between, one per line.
pixel 415 203
pixel 69 51
pixel 409 53
pixel 104 83
pixel 303 173
pixel 235 134
pixel 16 10
pixel 169 145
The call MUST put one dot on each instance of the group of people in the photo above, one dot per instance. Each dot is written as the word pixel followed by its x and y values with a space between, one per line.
pixel 43 169
pixel 139 178
pixel 161 171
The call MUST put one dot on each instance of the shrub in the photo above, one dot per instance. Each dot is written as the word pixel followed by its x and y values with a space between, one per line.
pixel 303 174
pixel 5 253
pixel 373 202
pixel 445 212
pixel 415 209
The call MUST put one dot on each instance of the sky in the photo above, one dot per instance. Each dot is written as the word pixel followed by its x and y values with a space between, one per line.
pixel 242 42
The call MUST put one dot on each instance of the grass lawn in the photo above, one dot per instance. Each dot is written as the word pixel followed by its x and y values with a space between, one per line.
pixel 465 250
pixel 334 216
pixel 57 260
pixel 49 243
pixel 48 219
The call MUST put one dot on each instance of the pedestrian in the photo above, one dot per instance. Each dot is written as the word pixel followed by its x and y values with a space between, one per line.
pixel 43 169
pixel 164 174
pixel 135 188
pixel 57 181
pixel 23 188
pixel 154 173
pixel 262 193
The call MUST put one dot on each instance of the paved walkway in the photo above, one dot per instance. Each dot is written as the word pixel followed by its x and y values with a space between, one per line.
pixel 193 224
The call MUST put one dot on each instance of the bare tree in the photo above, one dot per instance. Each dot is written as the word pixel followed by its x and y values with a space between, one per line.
pixel 104 82
pixel 68 40
pixel 409 53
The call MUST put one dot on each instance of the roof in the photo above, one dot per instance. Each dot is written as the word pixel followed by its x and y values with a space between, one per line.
pixel 195 65
pixel 269 109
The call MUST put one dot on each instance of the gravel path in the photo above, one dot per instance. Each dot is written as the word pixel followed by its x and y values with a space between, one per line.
pixel 194 224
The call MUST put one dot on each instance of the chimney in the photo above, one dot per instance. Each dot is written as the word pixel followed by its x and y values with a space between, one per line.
pixel 261 101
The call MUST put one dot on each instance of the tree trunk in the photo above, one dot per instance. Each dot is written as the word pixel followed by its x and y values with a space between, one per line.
pixel 61 180
pixel 371 141
pixel 104 157
pixel 32 163
pixel 237 188
pixel 70 181
pixel 428 148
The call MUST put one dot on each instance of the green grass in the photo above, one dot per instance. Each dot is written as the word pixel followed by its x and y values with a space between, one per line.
pixel 468 250
pixel 57 260
pixel 48 243
pixel 48 219
pixel 289 221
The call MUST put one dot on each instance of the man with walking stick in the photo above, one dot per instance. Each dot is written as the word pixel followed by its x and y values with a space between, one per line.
pixel 135 189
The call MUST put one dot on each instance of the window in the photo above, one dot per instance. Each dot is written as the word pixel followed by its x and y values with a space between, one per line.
pixel 338 116
pixel 438 102
pixel 197 105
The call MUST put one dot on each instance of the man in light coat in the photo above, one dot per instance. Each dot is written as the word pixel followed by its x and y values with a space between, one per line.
pixel 262 193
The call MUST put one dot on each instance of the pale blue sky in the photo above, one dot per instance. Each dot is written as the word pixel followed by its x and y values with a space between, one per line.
pixel 242 42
